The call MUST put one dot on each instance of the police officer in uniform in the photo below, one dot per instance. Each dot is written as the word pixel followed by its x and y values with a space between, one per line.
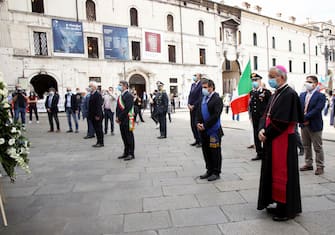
pixel 162 103
pixel 259 98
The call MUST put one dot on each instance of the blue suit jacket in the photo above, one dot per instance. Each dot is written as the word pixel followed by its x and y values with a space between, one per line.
pixel 194 98
pixel 314 110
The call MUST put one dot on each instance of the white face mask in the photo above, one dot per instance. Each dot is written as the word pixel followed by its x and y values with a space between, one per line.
pixel 308 86
pixel 51 93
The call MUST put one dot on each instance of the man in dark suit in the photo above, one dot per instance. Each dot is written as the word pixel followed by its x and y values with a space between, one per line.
pixel 312 102
pixel 194 99
pixel 71 109
pixel 95 113
pixel 162 104
pixel 209 126
pixel 51 105
pixel 259 98
pixel 125 118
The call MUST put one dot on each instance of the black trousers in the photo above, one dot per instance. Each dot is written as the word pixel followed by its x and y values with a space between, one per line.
pixel 109 115
pixel 162 123
pixel 51 116
pixel 31 109
pixel 193 117
pixel 154 116
pixel 258 144
pixel 127 138
pixel 212 156
pixel 97 124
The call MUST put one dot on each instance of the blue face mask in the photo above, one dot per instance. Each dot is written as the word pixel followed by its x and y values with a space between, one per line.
pixel 255 84
pixel 194 78
pixel 205 92
pixel 273 83
pixel 119 88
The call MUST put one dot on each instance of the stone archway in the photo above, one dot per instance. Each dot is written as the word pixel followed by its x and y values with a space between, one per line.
pixel 42 83
pixel 231 73
pixel 137 82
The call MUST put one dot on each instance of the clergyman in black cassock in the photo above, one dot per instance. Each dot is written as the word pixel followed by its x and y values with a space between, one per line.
pixel 279 180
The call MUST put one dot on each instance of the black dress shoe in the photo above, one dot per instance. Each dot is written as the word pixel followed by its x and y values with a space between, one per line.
pixel 69 131
pixel 213 177
pixel 280 218
pixel 98 145
pixel 89 137
pixel 194 144
pixel 204 176
pixel 128 158
pixel 256 158
pixel 122 156
pixel 161 137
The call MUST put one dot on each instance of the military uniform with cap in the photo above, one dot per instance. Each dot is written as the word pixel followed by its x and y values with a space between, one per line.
pixel 162 103
pixel 259 98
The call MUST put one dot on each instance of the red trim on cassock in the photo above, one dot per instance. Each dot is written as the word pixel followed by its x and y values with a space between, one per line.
pixel 279 163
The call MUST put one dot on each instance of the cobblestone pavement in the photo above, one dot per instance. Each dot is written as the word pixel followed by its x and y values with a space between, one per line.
pixel 77 189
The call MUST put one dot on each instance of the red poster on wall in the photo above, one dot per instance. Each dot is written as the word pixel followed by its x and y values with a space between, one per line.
pixel 152 42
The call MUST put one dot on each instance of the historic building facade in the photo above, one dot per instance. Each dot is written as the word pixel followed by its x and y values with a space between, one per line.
pixel 67 43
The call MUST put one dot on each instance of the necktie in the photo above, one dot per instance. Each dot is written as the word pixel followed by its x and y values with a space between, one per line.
pixel 308 98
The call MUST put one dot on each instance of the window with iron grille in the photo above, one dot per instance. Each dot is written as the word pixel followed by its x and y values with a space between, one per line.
pixel 172 53
pixel 274 62
pixel 133 17
pixel 92 47
pixel 201 28
pixel 40 43
pixel 90 10
pixel 202 56
pixel 255 63
pixel 170 23
pixel 136 50
pixel 304 67
pixel 254 38
pixel 289 45
pixel 290 66
pixel 37 6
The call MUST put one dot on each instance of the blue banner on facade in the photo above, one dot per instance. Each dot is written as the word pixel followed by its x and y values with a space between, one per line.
pixel 68 36
pixel 115 42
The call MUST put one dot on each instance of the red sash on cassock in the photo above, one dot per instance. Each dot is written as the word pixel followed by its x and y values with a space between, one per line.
pixel 279 163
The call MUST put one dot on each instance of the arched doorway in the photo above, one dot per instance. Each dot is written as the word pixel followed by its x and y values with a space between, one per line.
pixel 230 75
pixel 42 83
pixel 137 82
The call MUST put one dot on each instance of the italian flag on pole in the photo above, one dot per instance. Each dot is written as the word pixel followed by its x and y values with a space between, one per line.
pixel 240 103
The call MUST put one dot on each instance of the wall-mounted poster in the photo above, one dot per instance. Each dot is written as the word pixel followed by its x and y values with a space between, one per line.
pixel 68 36
pixel 152 48
pixel 115 42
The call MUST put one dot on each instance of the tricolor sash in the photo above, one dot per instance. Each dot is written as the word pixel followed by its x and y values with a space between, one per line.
pixel 213 131
pixel 121 105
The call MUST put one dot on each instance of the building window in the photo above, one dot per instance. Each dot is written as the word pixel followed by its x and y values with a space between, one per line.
pixel 289 45
pixel 274 62
pixel 316 50
pixel 201 28
pixel 255 63
pixel 40 43
pixel 133 17
pixel 136 50
pixel 37 6
pixel 304 67
pixel 304 48
pixel 90 10
pixel 92 47
pixel 220 31
pixel 239 37
pixel 202 56
pixel 254 37
pixel 172 53
pixel 95 79
pixel 170 23
pixel 316 69
pixel 173 80
pixel 290 66
pixel 273 42
pixel 227 65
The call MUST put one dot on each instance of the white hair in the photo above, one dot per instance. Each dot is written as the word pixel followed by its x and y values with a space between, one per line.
pixel 94 84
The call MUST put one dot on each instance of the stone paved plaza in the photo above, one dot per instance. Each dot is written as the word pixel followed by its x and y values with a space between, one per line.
pixel 77 189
